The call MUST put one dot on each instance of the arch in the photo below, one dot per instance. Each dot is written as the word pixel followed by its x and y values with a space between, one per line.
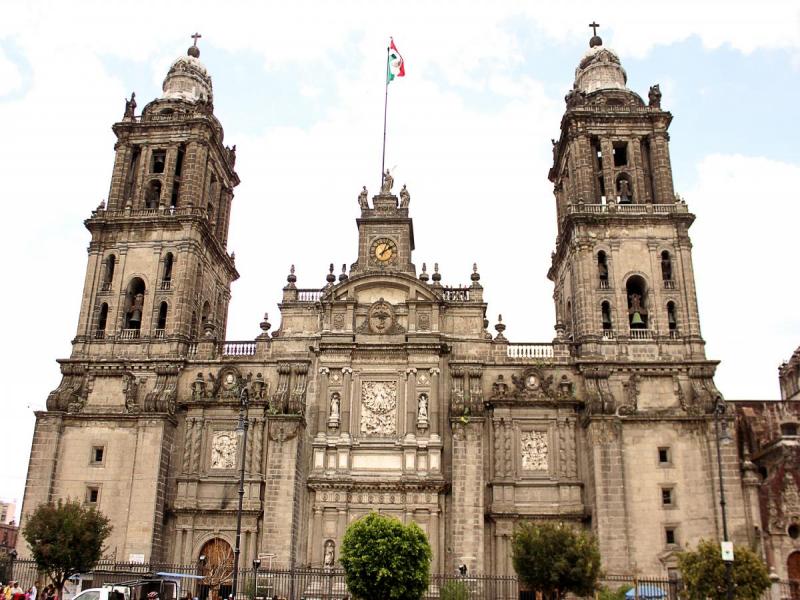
pixel 672 316
pixel 153 195
pixel 602 268
pixel 134 304
pixel 666 265
pixel 205 314
pixel 793 566
pixel 108 276
pixel 636 291
pixel 162 318
pixel 624 188
pixel 166 277
pixel 216 566
pixel 605 316
pixel 102 319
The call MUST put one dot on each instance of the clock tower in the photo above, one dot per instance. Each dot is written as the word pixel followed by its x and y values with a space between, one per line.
pixel 385 232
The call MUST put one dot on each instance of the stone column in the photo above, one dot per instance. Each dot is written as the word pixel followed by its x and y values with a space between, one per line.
pixel 468 494
pixel 322 401
pixel 411 401
pixel 607 148
pixel 434 406
pixel 347 385
pixel 662 168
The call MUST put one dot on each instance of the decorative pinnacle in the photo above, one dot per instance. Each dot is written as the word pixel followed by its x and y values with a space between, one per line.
pixel 330 278
pixel 437 277
pixel 193 49
pixel 500 328
pixel 265 324
pixel 476 277
pixel 343 276
pixel 292 278
pixel 596 39
pixel 424 275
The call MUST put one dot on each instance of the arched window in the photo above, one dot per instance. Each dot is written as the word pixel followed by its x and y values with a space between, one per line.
pixel 166 278
pixel 102 318
pixel 193 326
pixel 108 277
pixel 134 308
pixel 666 270
pixel 605 317
pixel 672 317
pixel 162 320
pixel 153 195
pixel 602 269
pixel 636 289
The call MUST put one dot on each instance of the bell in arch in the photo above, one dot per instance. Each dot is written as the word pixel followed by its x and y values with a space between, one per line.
pixel 636 320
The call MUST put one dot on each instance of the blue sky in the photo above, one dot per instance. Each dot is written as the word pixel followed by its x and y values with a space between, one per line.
pixel 298 87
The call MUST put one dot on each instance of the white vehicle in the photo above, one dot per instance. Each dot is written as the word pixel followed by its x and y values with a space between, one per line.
pixel 117 592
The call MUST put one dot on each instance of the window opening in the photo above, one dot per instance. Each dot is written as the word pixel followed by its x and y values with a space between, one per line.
pixel 168 260
pixel 606 316
pixel 134 304
pixel 670 536
pixel 179 160
pixel 153 196
pixel 92 494
pixel 101 321
pixel 667 497
pixel 637 302
pixel 97 454
pixel 624 191
pixel 602 269
pixel 162 316
pixel 664 456
pixel 666 266
pixel 620 154
pixel 158 162
pixel 672 319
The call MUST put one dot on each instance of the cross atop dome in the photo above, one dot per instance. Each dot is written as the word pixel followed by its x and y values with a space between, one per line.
pixel 596 39
pixel 193 49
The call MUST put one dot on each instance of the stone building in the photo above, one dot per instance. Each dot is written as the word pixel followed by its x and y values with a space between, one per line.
pixel 383 389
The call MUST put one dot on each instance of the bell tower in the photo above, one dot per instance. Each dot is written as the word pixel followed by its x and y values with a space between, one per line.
pixel 159 274
pixel 624 281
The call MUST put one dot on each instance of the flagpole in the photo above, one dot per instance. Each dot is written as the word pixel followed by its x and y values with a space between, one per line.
pixel 385 106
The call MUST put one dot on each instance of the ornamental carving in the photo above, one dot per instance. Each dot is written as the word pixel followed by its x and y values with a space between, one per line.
pixel 534 450
pixel 379 408
pixel 223 450
pixel 381 320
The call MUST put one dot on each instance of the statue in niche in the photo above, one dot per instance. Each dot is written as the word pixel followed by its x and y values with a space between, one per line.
pixel 405 197
pixel 199 388
pixel 654 96
pixel 388 182
pixel 130 106
pixel 624 192
pixel 335 406
pixel 362 198
pixel 422 409
pixel 329 556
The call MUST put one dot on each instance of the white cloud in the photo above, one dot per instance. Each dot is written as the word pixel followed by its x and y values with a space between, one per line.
pixel 10 76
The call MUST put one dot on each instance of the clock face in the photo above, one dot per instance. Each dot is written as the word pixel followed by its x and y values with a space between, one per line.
pixel 384 249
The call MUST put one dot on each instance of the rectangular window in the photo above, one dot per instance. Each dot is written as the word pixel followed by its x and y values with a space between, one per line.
pixel 620 154
pixel 667 496
pixel 664 456
pixel 98 453
pixel 92 494
pixel 159 160
pixel 670 536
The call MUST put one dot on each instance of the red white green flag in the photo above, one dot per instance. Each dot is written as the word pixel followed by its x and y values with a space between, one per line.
pixel 396 66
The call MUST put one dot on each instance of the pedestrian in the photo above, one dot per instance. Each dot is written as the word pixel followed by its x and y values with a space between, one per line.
pixel 17 593
pixel 34 590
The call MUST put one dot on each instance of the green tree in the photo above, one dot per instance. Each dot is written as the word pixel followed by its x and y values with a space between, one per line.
pixel 555 559
pixel 65 539
pixel 454 590
pixel 703 572
pixel 385 560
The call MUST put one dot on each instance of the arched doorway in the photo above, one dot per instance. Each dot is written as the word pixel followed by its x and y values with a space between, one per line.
pixel 793 571
pixel 216 566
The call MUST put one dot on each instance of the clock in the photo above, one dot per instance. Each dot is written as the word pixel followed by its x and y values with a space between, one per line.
pixel 383 250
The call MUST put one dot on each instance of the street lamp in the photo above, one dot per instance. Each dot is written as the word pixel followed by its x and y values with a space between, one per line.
pixel 719 413
pixel 244 398
pixel 256 564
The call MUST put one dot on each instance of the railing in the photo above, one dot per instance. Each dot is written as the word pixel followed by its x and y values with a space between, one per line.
pixel 608 334
pixel 453 294
pixel 641 334
pixel 309 295
pixel 628 209
pixel 100 334
pixel 191 349
pixel 530 351
pixel 105 286
pixel 166 284
pixel 674 335
pixel 129 334
pixel 669 284
pixel 159 334
pixel 604 285
pixel 238 348
pixel 166 211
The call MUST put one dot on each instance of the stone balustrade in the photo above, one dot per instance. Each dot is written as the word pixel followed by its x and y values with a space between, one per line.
pixel 627 209
pixel 528 351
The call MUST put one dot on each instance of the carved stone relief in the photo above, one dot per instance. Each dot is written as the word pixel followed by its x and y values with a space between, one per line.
pixel 379 408
pixel 381 320
pixel 424 321
pixel 534 450
pixel 338 320
pixel 223 450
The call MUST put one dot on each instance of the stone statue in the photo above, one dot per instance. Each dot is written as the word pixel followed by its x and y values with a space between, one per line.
pixel 405 197
pixel 624 191
pixel 422 411
pixel 335 404
pixel 328 560
pixel 130 106
pixel 654 96
pixel 231 154
pixel 636 303
pixel 199 388
pixel 388 182
pixel 362 197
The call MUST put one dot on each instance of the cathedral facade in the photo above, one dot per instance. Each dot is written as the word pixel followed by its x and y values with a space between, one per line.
pixel 385 390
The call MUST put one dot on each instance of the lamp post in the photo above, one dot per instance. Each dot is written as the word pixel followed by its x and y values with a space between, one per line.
pixel 719 412
pixel 256 564
pixel 240 427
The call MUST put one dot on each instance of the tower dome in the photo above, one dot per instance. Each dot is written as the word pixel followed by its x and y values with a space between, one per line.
pixel 599 69
pixel 188 79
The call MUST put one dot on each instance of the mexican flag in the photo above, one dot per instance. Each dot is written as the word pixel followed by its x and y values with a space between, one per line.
pixel 396 67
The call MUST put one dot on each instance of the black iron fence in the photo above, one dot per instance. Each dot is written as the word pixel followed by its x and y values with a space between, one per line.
pixel 329 584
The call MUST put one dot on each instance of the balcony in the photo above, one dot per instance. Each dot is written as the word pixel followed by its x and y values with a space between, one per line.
pixel 238 348
pixel 527 351
pixel 166 285
pixel 669 284
pixel 159 334
pixel 129 334
pixel 608 334
pixel 604 284
pixel 100 334
pixel 641 334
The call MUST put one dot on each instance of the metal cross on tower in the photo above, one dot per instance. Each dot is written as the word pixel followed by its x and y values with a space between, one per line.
pixel 594 27
pixel 195 37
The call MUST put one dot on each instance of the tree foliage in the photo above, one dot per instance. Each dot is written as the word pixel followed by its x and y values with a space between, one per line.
pixel 454 590
pixel 385 560
pixel 703 572
pixel 65 539
pixel 555 559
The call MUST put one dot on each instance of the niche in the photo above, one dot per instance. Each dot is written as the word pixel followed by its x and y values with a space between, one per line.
pixel 134 303
pixel 636 289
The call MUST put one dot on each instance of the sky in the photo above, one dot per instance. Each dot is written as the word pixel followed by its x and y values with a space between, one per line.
pixel 298 87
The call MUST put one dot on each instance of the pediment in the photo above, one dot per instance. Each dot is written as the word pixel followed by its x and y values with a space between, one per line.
pixel 394 288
